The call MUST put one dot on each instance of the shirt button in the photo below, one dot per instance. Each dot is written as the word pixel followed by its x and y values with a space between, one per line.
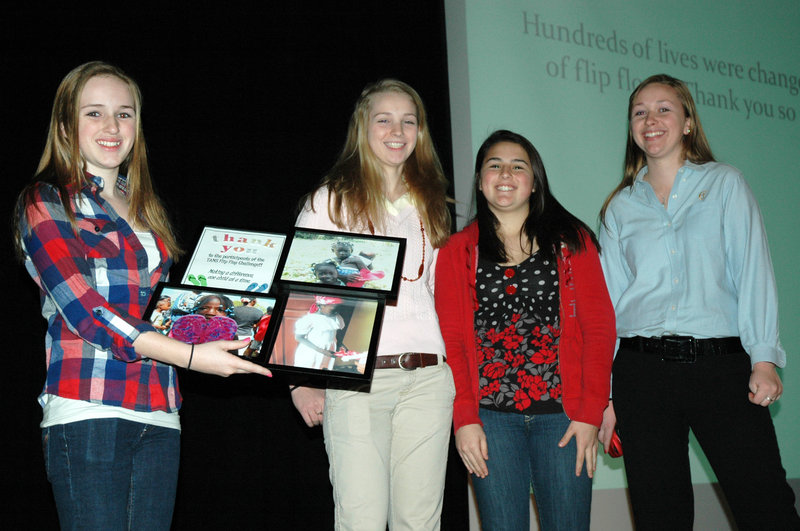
pixel 674 280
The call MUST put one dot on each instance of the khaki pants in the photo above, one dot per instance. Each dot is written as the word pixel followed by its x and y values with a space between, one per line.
pixel 388 449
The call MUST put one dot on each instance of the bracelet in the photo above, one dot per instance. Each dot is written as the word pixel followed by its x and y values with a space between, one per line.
pixel 292 388
pixel 191 355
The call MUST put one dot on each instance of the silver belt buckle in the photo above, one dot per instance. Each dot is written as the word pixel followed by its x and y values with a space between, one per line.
pixel 403 357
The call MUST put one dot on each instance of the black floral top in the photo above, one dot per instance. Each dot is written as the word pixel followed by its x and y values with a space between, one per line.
pixel 516 328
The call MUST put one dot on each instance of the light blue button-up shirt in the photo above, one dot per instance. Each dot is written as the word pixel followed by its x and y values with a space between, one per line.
pixel 700 267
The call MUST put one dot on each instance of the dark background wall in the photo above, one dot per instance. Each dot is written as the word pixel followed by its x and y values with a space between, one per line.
pixel 244 110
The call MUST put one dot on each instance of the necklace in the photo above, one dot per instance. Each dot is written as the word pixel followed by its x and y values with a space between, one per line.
pixel 662 198
pixel 422 263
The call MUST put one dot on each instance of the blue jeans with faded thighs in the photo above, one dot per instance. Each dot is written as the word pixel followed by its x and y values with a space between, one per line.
pixel 524 453
pixel 112 474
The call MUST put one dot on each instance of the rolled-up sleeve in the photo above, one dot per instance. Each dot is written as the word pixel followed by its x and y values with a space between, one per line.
pixel 58 260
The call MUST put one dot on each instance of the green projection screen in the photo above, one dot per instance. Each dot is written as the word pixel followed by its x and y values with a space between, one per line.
pixel 560 72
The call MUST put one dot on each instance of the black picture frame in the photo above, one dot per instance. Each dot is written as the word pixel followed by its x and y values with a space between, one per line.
pixel 188 301
pixel 309 258
pixel 351 330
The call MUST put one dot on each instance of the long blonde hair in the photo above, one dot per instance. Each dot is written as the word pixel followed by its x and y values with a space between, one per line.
pixel 695 144
pixel 355 181
pixel 63 167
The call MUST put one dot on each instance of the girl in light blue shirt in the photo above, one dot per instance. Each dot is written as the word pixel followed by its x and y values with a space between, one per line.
pixel 688 269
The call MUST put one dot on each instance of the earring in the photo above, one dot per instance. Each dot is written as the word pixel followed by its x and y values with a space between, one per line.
pixel 688 130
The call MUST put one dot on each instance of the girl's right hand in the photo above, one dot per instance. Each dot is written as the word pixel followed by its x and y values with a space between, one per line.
pixel 211 358
pixel 310 402
pixel 215 358
pixel 473 449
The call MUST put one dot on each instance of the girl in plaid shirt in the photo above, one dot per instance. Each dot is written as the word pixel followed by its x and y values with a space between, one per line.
pixel 96 241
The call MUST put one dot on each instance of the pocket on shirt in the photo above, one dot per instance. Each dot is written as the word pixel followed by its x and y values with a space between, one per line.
pixel 704 221
pixel 100 237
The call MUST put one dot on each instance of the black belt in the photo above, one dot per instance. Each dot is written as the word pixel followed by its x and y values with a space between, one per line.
pixel 683 349
pixel 407 361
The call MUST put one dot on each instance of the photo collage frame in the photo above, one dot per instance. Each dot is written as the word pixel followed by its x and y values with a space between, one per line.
pixel 312 302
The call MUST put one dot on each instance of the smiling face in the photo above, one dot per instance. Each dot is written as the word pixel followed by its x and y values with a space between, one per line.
pixel 506 178
pixel 327 273
pixel 106 125
pixel 659 123
pixel 211 308
pixel 392 129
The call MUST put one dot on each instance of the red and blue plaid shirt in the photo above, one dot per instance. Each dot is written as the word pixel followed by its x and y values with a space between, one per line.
pixel 95 286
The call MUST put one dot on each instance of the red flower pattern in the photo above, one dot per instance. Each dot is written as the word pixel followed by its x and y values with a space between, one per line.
pixel 538 389
pixel 544 356
pixel 511 354
pixel 555 391
pixel 492 388
pixel 522 400
pixel 512 341
pixel 495 370
pixel 517 354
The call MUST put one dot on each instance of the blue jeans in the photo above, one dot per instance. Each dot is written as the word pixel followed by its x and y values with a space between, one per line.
pixel 112 474
pixel 524 452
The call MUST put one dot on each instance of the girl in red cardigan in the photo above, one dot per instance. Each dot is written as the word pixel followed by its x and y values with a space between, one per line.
pixel 530 333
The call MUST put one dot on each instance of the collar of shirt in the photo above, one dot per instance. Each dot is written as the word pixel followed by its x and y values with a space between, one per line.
pixel 399 204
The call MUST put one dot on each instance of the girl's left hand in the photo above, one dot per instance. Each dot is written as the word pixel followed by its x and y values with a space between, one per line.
pixel 765 384
pixel 608 426
pixel 586 441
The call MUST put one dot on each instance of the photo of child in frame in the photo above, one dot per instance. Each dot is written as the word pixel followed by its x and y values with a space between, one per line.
pixel 338 259
pixel 204 316
pixel 315 333
pixel 209 320
pixel 161 319
pixel 325 332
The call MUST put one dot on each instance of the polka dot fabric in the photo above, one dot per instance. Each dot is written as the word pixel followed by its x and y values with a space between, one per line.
pixel 517 333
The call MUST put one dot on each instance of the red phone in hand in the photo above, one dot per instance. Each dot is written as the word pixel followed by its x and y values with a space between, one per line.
pixel 615 446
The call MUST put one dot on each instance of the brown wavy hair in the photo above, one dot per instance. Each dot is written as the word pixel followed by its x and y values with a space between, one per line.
pixel 695 145
pixel 356 183
pixel 63 167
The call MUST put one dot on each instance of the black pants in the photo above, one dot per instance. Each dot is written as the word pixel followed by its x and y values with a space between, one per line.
pixel 657 402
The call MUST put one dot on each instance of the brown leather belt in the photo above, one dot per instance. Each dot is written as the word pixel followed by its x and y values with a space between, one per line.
pixel 408 361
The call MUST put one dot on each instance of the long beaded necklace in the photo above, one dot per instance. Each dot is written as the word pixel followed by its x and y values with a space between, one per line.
pixel 421 264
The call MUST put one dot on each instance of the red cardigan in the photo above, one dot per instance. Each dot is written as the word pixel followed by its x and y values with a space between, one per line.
pixel 588 330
